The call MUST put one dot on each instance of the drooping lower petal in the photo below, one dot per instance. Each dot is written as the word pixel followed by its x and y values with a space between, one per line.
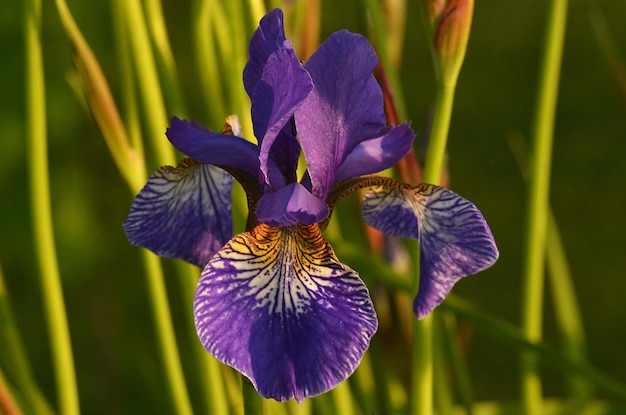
pixel 277 305
pixel 290 205
pixel 183 212
pixel 455 241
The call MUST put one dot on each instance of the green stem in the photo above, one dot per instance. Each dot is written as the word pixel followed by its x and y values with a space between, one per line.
pixel 458 363
pixel 566 308
pixel 422 367
pixel 52 291
pixel 149 87
pixel 206 56
pixel 252 401
pixel 240 104
pixel 165 333
pixel 537 209
pixel 443 395
pixel 164 57
pixel 422 330
pixel 435 155
pixel 342 398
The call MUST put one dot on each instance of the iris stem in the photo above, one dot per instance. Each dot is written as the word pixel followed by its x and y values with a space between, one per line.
pixel 422 330
pixel 342 398
pixel 206 56
pixel 563 290
pixel 566 307
pixel 252 401
pixel 164 57
pixel 148 81
pixel 422 367
pixel 435 155
pixel 537 208
pixel 165 333
pixel 443 395
pixel 41 210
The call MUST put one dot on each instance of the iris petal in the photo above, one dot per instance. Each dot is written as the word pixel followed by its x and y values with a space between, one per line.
pixel 277 305
pixel 377 154
pixel 290 205
pixel 344 109
pixel 269 37
pixel 455 240
pixel 201 144
pixel 183 212
pixel 281 89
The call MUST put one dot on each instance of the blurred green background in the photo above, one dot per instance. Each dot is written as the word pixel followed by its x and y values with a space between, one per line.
pixel 117 363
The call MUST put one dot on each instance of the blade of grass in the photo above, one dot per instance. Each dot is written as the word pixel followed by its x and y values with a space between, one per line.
pixel 537 208
pixel 41 209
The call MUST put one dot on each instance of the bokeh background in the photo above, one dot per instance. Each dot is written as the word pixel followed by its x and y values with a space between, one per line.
pixel 117 363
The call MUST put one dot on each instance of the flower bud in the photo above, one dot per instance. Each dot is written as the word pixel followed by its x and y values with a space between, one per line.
pixel 449 25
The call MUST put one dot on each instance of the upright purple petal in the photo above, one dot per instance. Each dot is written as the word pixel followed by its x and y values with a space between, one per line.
pixel 455 241
pixel 344 109
pixel 277 305
pixel 290 205
pixel 281 89
pixel 269 37
pixel 183 212
pixel 197 142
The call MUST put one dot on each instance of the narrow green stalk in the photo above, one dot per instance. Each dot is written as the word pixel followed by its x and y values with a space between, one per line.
pixel 14 359
pixel 148 80
pixel 422 330
pixel 150 90
pixel 537 209
pixel 342 398
pixel 563 293
pixel 364 385
pixel 304 408
pixel 458 363
pixel 50 279
pixel 422 367
pixel 165 333
pixel 129 87
pixel 566 307
pixel 257 10
pixel 164 57
pixel 206 56
pixel 240 104
pixel 252 401
pixel 435 155
pixel 443 394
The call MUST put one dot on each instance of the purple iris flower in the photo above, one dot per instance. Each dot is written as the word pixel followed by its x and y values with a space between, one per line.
pixel 275 302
